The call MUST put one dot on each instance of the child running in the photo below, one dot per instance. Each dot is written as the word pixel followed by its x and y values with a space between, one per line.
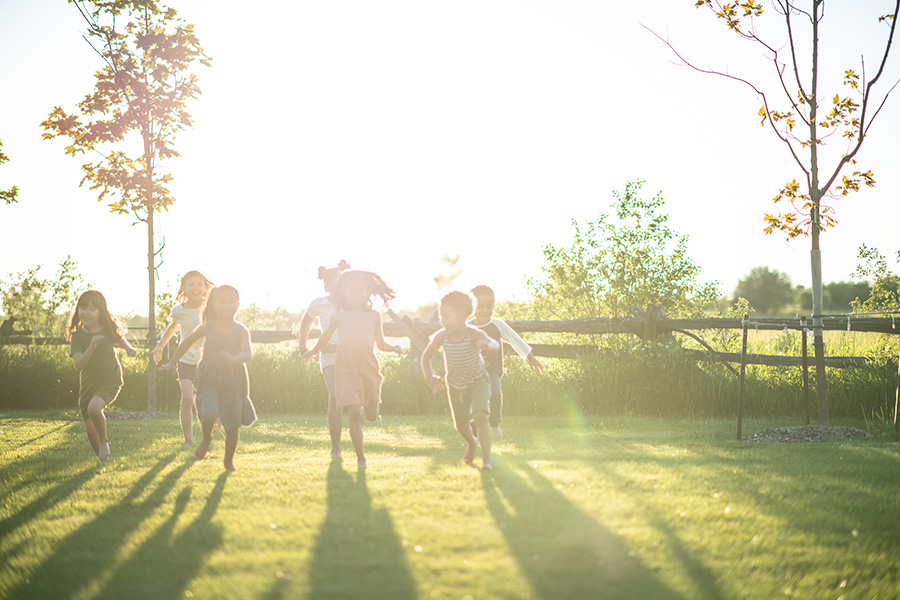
pixel 223 387
pixel 468 384
pixel 357 375
pixel 321 310
pixel 500 332
pixel 185 317
pixel 94 334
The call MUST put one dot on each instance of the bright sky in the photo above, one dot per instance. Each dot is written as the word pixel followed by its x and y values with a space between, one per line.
pixel 393 133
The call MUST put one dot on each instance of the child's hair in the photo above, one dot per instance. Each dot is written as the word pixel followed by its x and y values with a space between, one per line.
pixel 333 274
pixel 209 311
pixel 374 284
pixel 483 290
pixel 181 297
pixel 111 326
pixel 460 301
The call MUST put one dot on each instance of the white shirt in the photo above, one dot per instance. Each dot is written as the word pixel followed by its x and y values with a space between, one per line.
pixel 188 318
pixel 322 310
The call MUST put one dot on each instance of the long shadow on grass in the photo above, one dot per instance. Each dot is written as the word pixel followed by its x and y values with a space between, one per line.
pixel 562 551
pixel 50 498
pixel 84 556
pixel 42 436
pixel 178 558
pixel 357 553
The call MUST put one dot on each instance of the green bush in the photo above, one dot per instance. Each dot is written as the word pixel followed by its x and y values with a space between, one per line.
pixel 656 379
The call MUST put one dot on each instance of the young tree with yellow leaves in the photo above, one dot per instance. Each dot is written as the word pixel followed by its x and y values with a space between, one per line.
pixel 132 117
pixel 806 123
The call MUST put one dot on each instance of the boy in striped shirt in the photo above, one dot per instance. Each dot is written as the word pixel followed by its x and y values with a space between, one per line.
pixel 467 381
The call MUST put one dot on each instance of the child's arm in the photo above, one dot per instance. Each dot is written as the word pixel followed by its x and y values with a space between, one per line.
pixel 186 343
pixel 306 324
pixel 521 347
pixel 81 359
pixel 323 339
pixel 434 382
pixel 123 343
pixel 484 342
pixel 380 342
pixel 246 352
pixel 164 339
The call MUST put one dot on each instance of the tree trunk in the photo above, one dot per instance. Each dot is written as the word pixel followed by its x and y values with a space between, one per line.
pixel 815 196
pixel 818 332
pixel 151 331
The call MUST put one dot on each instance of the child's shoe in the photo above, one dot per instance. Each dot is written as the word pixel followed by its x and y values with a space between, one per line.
pixel 104 454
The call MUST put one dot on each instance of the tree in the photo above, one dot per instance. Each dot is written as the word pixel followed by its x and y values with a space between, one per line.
pixel 630 258
pixel 142 90
pixel 809 119
pixel 11 195
pixel 43 304
pixel 767 290
pixel 885 292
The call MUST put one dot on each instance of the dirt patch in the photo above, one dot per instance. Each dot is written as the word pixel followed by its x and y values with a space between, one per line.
pixel 806 433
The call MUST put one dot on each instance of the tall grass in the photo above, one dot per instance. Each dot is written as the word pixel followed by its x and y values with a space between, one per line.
pixel 656 379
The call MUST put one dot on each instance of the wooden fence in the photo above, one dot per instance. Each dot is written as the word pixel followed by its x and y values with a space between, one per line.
pixel 645 328
pixel 649 324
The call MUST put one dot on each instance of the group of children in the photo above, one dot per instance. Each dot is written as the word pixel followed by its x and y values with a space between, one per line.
pixel 211 360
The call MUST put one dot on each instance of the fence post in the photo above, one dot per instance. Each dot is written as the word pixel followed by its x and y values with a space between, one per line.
pixel 743 368
pixel 805 369
pixel 897 398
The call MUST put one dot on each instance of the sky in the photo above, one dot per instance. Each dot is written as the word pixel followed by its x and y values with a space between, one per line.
pixel 392 134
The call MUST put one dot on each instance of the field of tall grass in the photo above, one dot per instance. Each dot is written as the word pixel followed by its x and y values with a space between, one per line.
pixel 655 379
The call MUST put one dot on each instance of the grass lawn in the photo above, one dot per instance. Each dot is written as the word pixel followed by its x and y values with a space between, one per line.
pixel 606 508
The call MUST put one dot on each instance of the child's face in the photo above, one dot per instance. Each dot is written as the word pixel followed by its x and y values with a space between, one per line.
pixel 89 315
pixel 329 279
pixel 194 288
pixel 226 304
pixel 356 295
pixel 484 307
pixel 451 318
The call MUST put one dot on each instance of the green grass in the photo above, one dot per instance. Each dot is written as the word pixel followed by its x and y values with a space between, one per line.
pixel 607 508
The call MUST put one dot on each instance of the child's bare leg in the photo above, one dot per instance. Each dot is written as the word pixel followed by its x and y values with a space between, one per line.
pixel 92 436
pixel 207 422
pixel 484 437
pixel 465 431
pixel 98 419
pixel 231 440
pixel 355 417
pixel 335 414
pixel 186 411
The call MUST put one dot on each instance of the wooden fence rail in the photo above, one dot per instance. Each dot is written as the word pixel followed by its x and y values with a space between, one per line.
pixel 602 326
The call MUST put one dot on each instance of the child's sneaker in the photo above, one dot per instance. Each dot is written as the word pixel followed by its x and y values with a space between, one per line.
pixel 487 466
pixel 104 454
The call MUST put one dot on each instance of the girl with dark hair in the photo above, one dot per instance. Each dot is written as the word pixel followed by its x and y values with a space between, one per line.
pixel 94 333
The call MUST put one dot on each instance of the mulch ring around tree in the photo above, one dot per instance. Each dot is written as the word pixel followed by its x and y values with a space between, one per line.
pixel 806 433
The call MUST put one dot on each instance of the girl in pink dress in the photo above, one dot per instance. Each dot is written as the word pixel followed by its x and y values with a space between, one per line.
pixel 357 375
